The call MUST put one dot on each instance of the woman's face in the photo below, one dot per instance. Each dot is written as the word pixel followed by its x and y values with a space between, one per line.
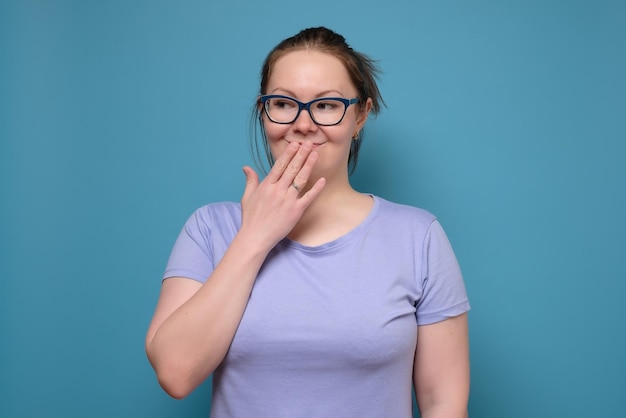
pixel 306 75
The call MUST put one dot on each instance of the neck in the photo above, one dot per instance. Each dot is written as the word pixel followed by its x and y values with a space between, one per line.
pixel 336 210
pixel 335 193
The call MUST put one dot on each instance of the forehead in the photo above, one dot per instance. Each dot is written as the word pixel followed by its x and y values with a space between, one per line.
pixel 309 71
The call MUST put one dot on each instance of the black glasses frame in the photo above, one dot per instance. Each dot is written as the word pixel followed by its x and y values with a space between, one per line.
pixel 306 106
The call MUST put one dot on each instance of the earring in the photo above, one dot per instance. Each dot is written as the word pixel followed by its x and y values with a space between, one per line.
pixel 356 135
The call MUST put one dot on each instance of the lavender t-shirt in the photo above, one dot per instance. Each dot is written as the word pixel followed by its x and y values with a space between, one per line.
pixel 329 331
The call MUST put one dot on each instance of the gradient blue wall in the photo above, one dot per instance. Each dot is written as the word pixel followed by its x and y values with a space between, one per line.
pixel 505 118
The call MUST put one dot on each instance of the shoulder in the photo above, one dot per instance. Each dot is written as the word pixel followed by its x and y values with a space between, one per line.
pixel 219 209
pixel 402 213
pixel 216 216
pixel 405 224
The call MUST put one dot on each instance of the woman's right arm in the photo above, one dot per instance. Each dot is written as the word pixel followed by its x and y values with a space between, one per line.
pixel 194 324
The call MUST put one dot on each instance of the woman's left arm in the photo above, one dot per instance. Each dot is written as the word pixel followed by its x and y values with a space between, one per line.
pixel 441 372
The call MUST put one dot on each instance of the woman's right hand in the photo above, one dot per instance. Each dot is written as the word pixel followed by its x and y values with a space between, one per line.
pixel 272 207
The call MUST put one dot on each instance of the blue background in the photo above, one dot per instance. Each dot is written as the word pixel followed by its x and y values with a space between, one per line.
pixel 507 119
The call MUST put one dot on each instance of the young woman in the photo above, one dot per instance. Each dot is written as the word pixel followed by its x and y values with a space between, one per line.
pixel 310 298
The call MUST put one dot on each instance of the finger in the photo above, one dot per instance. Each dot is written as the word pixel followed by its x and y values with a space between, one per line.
pixel 280 165
pixel 252 181
pixel 302 177
pixel 296 164
pixel 307 198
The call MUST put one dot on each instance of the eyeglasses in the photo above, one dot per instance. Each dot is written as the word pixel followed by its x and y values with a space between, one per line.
pixel 325 111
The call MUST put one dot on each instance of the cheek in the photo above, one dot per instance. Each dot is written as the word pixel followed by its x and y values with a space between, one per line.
pixel 274 131
pixel 275 134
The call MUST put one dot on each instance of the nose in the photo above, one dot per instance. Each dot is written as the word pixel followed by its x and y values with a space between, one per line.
pixel 304 123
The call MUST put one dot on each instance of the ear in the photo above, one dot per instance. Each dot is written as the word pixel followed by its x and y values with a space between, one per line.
pixel 363 114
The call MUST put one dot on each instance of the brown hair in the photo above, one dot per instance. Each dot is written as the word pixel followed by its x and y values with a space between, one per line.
pixel 362 71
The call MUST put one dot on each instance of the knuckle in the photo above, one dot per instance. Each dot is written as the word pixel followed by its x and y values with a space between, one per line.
pixel 280 165
pixel 299 179
pixel 293 168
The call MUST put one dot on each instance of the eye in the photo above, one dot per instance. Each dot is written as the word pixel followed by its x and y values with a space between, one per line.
pixel 327 105
pixel 283 104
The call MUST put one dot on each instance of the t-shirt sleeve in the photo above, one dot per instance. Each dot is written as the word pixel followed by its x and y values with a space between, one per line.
pixel 192 255
pixel 443 289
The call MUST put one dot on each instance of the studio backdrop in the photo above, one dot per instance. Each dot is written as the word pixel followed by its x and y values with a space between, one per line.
pixel 505 119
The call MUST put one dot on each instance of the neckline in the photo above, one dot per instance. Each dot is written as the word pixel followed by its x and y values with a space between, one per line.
pixel 340 241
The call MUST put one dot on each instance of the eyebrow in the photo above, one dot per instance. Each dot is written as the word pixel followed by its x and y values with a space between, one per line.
pixel 325 93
